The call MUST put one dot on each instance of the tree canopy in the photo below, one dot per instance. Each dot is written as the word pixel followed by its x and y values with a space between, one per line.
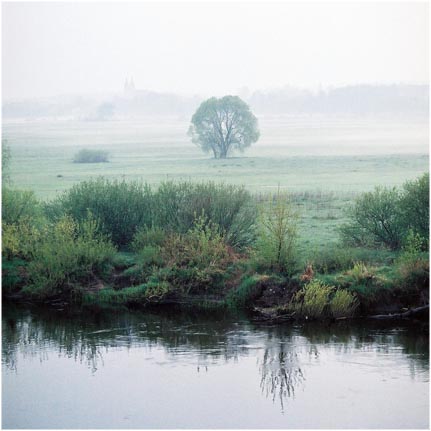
pixel 222 125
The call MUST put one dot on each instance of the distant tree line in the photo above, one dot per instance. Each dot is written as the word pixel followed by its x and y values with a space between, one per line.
pixel 355 99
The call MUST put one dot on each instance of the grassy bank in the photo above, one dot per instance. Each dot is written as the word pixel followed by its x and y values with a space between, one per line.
pixel 214 245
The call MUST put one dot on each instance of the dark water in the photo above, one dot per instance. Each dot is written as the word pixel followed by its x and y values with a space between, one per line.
pixel 117 369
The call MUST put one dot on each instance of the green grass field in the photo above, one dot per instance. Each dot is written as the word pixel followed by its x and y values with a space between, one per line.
pixel 317 161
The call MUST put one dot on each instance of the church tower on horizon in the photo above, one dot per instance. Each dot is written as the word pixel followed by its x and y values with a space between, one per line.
pixel 129 87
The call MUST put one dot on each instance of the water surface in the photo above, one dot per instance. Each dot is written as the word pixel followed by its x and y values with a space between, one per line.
pixel 119 369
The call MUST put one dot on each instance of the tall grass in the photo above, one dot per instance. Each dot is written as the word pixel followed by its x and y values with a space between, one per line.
pixel 312 300
pixel 343 303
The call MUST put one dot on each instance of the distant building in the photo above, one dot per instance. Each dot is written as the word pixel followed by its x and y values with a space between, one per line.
pixel 129 88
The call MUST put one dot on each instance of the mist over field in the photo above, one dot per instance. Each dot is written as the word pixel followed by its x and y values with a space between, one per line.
pixel 229 196
pixel 317 82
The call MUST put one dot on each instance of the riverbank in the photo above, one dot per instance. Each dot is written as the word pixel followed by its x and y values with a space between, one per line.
pixel 215 245
pixel 264 297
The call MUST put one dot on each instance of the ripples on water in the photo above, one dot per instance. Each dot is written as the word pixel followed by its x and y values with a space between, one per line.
pixel 287 375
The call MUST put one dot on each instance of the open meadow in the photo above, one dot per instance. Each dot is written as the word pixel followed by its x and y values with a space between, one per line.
pixel 323 161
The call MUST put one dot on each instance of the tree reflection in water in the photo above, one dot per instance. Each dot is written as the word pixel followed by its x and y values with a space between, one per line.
pixel 202 340
pixel 280 373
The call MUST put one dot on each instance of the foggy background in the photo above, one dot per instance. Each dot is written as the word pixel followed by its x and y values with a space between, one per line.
pixel 113 60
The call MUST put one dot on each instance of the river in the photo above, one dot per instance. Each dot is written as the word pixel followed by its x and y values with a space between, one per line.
pixel 98 368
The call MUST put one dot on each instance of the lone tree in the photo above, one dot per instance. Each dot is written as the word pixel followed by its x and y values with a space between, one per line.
pixel 222 125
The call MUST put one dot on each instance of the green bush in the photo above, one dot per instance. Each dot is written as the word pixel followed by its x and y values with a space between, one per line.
pixel 91 156
pixel 275 247
pixel 20 240
pixel 148 237
pixel 375 219
pixel 67 255
pixel 197 259
pixel 414 208
pixel 385 216
pixel 343 304
pixel 14 275
pixel 230 207
pixel 148 260
pixel 119 206
pixel 124 208
pixel 18 205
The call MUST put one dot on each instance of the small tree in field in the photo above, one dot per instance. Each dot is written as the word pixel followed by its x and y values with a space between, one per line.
pixel 222 125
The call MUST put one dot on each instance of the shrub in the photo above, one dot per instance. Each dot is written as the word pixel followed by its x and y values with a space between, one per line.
pixel 66 255
pixel 124 207
pixel 20 240
pixel 14 275
pixel 276 242
pixel 18 205
pixel 375 219
pixel 230 207
pixel 203 246
pixel 91 156
pixel 312 300
pixel 197 259
pixel 148 261
pixel 148 237
pixel 343 303
pixel 121 207
pixel 385 216
pixel 414 208
pixel 414 273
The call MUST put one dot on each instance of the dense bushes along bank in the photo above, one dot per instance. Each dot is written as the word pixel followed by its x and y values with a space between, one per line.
pixel 129 243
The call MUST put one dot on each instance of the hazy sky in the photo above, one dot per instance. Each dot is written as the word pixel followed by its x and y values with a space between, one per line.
pixel 209 48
